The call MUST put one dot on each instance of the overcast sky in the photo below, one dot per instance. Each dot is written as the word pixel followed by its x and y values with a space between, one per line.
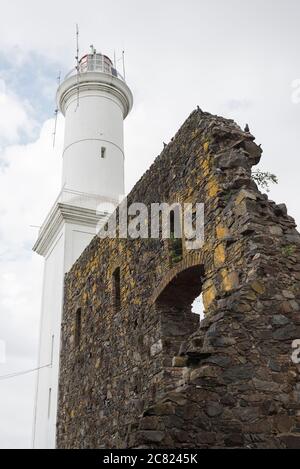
pixel 236 58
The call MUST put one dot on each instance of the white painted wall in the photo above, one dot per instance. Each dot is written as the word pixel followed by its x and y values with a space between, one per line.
pixel 49 327
pixel 94 119
pixel 71 241
pixel 87 130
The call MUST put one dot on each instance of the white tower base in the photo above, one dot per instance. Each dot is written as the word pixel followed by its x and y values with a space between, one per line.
pixel 65 234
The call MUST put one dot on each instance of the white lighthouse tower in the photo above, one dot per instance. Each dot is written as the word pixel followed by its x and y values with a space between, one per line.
pixel 95 100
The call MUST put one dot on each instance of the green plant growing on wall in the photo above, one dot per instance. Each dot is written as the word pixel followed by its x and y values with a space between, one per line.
pixel 263 179
pixel 228 196
pixel 175 249
pixel 288 250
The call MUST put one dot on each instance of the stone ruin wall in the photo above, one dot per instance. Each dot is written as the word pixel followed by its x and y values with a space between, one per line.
pixel 146 373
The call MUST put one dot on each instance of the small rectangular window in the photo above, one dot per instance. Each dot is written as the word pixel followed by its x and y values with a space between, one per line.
pixel 49 402
pixel 175 243
pixel 117 289
pixel 103 152
pixel 78 327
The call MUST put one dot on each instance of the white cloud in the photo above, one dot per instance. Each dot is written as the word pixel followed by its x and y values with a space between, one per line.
pixel 16 407
pixel 29 183
pixel 15 119
pixel 32 170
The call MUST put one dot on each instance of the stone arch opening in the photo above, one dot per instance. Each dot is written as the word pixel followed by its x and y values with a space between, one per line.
pixel 174 305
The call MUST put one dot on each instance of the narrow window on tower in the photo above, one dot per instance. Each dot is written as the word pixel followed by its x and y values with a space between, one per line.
pixel 49 402
pixel 103 152
pixel 117 289
pixel 78 328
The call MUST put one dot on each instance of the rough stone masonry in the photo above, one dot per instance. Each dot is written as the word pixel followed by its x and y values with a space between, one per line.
pixel 138 369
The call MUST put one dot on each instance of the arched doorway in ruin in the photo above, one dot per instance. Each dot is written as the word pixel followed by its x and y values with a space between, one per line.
pixel 179 305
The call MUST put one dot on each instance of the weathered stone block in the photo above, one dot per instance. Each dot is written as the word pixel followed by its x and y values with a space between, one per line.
pixel 213 409
pixel 230 280
pixel 209 296
pixel 276 230
pixel 222 231
pixel 151 436
pixel 280 320
pixel 156 348
pixel 204 372
pixel 219 255
pixel 291 441
pixel 163 408
pixel 179 361
pixel 244 194
pixel 258 287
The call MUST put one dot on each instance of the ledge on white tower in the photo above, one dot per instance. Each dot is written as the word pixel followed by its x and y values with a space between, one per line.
pixel 74 207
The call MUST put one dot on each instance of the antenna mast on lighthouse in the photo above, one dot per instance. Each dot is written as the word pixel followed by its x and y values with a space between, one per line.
pixel 56 112
pixel 123 60
pixel 77 64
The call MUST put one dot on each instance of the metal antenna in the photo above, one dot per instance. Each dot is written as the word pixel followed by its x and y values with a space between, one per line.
pixel 56 111
pixel 77 64
pixel 123 59
pixel 115 62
